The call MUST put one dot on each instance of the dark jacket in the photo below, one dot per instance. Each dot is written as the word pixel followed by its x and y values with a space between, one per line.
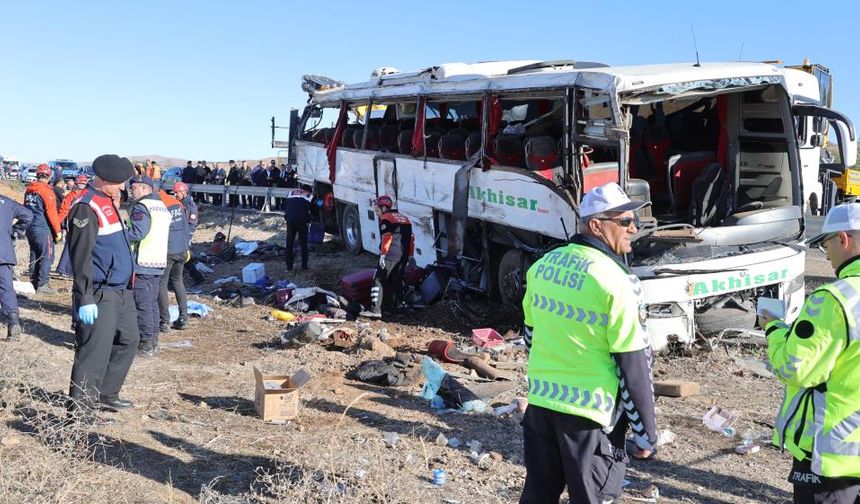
pixel 234 177
pixel 191 213
pixel 200 174
pixel 298 210
pixel 179 239
pixel 217 176
pixel 10 212
pixel 258 176
pixel 96 260
pixel 188 174
pixel 273 176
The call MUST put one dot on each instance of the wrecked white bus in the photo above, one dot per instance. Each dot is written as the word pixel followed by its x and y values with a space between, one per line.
pixel 490 160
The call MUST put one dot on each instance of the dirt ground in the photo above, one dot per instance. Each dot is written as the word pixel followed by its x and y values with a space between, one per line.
pixel 194 435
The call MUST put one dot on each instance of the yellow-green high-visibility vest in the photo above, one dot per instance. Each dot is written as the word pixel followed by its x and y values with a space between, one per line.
pixel 583 307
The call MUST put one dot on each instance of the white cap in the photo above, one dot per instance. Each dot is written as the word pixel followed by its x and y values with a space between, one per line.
pixel 840 218
pixel 608 198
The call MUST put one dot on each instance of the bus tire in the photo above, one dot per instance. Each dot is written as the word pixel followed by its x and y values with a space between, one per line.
pixel 350 229
pixel 510 277
pixel 813 204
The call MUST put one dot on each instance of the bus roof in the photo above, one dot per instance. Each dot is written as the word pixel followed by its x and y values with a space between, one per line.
pixel 510 76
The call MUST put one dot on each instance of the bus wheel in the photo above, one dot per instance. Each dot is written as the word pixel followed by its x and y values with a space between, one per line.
pixel 350 229
pixel 813 204
pixel 511 277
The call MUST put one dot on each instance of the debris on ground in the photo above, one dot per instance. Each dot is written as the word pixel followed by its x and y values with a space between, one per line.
pixel 720 420
pixel 194 309
pixel 675 388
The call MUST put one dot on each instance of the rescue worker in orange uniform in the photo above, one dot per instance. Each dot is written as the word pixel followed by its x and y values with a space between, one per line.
pixel 81 182
pixel 396 250
pixel 45 230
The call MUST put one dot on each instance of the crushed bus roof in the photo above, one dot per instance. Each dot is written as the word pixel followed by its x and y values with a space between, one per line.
pixel 463 78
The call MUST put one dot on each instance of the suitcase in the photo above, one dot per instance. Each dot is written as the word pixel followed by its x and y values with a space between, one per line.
pixel 356 286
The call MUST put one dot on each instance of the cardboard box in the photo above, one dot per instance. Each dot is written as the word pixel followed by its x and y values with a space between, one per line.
pixel 276 397
pixel 253 272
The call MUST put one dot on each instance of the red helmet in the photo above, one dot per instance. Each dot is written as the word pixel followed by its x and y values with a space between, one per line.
pixel 180 187
pixel 82 179
pixel 384 201
pixel 43 169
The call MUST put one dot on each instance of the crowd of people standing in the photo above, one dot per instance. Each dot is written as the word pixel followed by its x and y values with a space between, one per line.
pixel 240 175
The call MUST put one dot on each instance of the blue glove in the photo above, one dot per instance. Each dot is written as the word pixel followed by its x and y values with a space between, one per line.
pixel 88 313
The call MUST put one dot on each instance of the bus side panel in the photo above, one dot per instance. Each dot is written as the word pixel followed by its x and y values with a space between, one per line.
pixel 421 217
pixel 311 161
pixel 517 200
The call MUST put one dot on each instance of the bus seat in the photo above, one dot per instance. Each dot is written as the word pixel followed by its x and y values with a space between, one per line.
pixel 471 123
pixel 388 138
pixel 431 141
pixel 329 135
pixel 509 150
pixel 404 142
pixel 473 143
pixel 460 131
pixel 452 146
pixel 682 172
pixel 541 153
pixel 348 137
pixel 709 199
pixel 372 141
pixel 318 135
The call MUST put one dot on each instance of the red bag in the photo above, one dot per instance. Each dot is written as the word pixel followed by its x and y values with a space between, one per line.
pixel 356 286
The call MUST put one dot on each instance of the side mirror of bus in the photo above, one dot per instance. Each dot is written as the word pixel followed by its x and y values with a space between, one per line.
pixel 816 140
pixel 316 113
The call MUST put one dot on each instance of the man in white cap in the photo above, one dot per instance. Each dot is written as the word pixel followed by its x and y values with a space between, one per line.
pixel 589 359
pixel 818 359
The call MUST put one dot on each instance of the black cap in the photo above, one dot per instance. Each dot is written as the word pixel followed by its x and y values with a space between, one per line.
pixel 189 162
pixel 232 161
pixel 112 168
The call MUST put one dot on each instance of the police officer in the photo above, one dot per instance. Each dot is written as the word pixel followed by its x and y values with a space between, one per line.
pixel 818 359
pixel 396 248
pixel 589 359
pixel 192 217
pixel 14 219
pixel 178 253
pixel 45 229
pixel 149 226
pixel 98 256
pixel 298 215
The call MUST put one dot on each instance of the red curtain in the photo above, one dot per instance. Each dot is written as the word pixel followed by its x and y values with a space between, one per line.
pixel 723 139
pixel 494 122
pixel 331 148
pixel 418 132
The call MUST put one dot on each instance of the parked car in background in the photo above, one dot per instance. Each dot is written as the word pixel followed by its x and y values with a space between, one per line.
pixel 171 176
pixel 28 173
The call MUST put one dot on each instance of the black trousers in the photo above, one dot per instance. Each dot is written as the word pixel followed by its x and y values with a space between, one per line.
pixel 172 279
pixel 8 299
pixel 566 449
pixel 146 299
pixel 105 350
pixel 388 285
pixel 300 229
pixel 810 488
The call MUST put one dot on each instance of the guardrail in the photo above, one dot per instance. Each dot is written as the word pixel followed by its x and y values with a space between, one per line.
pixel 225 191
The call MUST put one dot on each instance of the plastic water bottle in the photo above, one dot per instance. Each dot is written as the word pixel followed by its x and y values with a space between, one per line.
pixel 439 477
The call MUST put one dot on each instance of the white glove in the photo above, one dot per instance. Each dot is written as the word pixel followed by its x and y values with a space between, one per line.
pixel 382 262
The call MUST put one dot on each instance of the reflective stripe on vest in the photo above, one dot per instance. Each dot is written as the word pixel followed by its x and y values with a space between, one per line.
pixel 152 249
pixel 852 312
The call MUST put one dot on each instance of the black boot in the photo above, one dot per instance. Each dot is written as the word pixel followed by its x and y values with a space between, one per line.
pixel 181 323
pixel 13 330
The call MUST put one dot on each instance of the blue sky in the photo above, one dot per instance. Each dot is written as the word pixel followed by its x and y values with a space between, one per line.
pixel 200 80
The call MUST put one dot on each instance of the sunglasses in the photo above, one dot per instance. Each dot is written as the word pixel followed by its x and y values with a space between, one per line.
pixel 621 221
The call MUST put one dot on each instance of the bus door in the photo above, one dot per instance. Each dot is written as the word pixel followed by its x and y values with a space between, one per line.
pixel 385 177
